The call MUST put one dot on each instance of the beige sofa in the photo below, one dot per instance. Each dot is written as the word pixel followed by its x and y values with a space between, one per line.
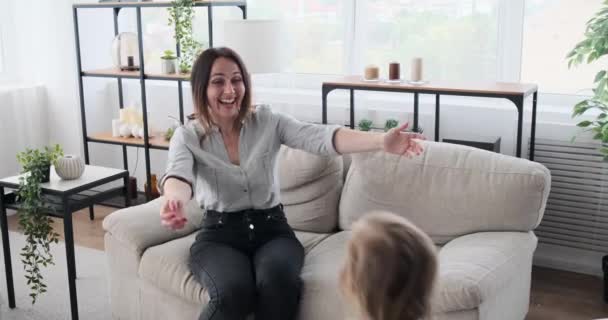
pixel 479 207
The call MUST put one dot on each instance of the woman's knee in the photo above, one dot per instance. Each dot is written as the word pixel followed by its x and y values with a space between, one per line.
pixel 279 278
pixel 233 295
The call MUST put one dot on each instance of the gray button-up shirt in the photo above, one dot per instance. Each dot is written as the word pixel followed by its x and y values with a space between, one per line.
pixel 218 184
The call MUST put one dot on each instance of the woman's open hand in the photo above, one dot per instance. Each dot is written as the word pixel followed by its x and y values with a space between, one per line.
pixel 172 214
pixel 397 141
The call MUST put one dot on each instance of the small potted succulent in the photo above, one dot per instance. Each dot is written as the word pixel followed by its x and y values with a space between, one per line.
pixel 389 124
pixel 365 125
pixel 168 60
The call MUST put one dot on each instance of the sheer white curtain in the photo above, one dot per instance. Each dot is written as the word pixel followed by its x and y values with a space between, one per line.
pixel 24 123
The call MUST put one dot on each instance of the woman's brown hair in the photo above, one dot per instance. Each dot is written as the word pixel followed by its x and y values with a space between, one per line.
pixel 201 73
pixel 390 268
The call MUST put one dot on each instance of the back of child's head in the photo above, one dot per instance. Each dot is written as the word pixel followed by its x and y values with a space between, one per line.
pixel 390 268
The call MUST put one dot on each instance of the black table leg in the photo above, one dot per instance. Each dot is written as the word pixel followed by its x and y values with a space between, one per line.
pixel 533 133
pixel 91 213
pixel 352 109
pixel 415 129
pixel 71 261
pixel 10 287
pixel 437 117
pixel 126 190
pixel 519 103
pixel 210 25
pixel 324 92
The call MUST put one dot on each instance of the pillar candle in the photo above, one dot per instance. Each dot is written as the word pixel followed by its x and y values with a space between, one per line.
pixel 393 71
pixel 371 72
pixel 416 69
pixel 123 115
pixel 116 123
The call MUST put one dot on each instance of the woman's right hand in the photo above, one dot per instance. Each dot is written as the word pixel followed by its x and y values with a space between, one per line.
pixel 172 214
pixel 176 194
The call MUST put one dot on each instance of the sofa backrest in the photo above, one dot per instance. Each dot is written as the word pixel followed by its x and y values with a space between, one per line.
pixel 448 191
pixel 310 189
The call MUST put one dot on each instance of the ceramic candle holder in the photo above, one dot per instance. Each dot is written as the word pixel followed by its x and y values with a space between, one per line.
pixel 372 72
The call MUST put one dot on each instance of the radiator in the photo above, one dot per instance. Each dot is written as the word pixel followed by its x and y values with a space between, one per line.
pixel 577 209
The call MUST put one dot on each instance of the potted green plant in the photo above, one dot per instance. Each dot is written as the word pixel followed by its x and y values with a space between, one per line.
pixel 33 220
pixel 593 47
pixel 168 60
pixel 181 14
pixel 365 125
pixel 389 124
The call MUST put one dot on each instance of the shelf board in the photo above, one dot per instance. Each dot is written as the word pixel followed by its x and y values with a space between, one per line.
pixel 176 76
pixel 111 73
pixel 115 73
pixel 151 4
pixel 119 201
pixel 156 142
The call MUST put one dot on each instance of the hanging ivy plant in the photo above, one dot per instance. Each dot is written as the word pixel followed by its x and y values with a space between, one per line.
pixel 36 224
pixel 181 14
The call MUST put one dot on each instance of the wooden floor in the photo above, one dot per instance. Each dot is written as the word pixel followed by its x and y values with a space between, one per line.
pixel 555 294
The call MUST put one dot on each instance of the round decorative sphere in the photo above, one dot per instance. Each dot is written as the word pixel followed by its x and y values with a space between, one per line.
pixel 69 167
pixel 125 130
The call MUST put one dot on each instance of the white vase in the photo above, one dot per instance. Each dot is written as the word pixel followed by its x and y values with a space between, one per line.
pixel 69 167
pixel 167 66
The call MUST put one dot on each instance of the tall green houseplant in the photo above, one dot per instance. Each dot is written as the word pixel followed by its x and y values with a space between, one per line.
pixel 35 223
pixel 181 14
pixel 592 48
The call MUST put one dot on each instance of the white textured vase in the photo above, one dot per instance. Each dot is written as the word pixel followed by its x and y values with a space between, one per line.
pixel 69 167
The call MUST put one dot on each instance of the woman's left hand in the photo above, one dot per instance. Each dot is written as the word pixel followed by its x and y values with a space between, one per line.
pixel 403 143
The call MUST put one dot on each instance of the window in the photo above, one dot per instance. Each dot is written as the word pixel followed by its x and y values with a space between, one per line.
pixel 317 28
pixel 459 40
pixel 341 37
pixel 551 29
pixel 456 38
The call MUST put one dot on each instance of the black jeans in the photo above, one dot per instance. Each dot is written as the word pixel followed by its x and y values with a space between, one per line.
pixel 249 261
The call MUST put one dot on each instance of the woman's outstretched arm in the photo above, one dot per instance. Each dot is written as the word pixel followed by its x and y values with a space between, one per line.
pixel 394 141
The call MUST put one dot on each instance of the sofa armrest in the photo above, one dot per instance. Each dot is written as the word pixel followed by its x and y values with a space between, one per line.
pixel 475 267
pixel 139 227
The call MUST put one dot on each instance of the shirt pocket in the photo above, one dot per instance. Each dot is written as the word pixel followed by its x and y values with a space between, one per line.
pixel 266 170
pixel 207 183
pixel 260 173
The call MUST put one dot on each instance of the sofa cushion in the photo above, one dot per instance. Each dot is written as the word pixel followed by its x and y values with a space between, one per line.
pixel 166 266
pixel 448 191
pixel 139 227
pixel 310 189
pixel 472 269
pixel 321 298
pixel 476 268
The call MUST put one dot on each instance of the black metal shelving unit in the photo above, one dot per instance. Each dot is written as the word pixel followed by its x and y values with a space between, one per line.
pixel 147 143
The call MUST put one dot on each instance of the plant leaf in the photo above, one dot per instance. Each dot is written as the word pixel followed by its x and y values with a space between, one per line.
pixel 584 124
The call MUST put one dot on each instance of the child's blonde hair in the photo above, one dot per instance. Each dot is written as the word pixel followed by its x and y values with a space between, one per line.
pixel 390 268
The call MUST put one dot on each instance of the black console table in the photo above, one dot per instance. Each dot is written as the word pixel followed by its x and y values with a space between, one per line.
pixel 514 92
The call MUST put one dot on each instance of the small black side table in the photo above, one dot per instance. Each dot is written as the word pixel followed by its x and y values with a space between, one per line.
pixel 64 197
